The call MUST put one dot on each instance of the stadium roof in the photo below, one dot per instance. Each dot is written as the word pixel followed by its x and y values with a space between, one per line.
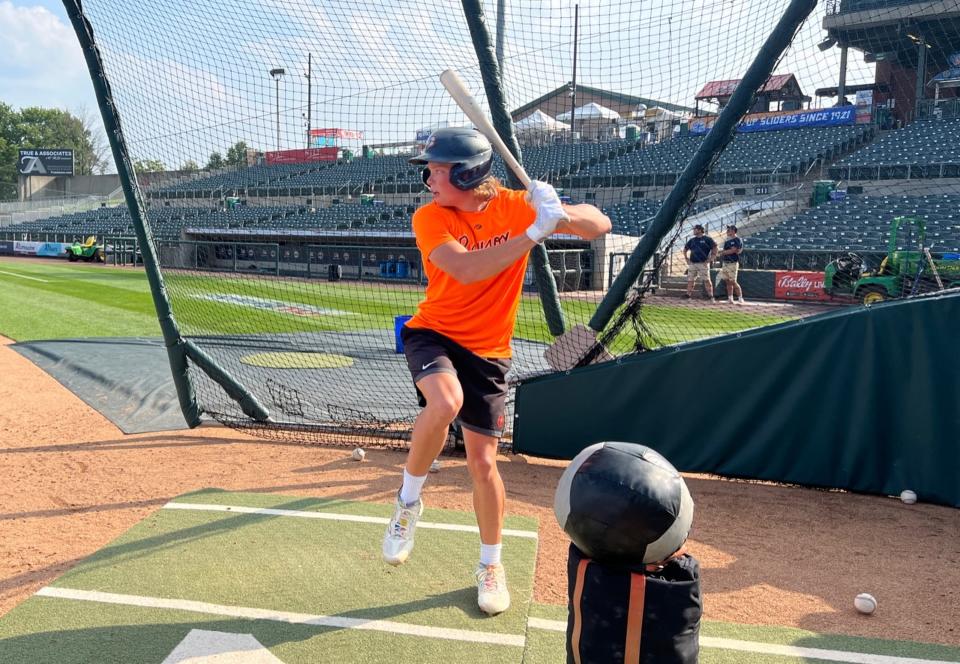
pixel 606 95
pixel 784 85
pixel 852 89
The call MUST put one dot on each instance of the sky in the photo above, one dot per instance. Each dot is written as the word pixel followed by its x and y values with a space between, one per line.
pixel 191 78
pixel 40 60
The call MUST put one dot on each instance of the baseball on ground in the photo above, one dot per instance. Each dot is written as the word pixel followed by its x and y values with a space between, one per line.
pixel 358 454
pixel 865 603
pixel 908 496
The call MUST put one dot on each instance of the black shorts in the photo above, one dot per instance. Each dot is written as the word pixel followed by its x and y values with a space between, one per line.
pixel 483 380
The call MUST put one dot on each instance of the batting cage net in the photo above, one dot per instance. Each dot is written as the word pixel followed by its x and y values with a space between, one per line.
pixel 760 161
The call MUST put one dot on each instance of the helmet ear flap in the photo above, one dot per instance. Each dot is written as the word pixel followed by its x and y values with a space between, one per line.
pixel 425 175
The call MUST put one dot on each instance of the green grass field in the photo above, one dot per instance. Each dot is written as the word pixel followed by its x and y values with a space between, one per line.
pixel 51 299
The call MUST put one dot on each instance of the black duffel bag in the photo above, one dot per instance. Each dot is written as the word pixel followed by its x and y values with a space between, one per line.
pixel 648 614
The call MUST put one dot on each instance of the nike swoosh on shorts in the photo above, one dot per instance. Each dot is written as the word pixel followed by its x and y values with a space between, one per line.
pixel 428 365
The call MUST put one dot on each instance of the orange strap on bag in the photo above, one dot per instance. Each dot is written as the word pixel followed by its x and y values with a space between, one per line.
pixel 577 611
pixel 638 589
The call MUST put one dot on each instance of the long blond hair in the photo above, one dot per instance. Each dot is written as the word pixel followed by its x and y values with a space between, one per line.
pixel 486 191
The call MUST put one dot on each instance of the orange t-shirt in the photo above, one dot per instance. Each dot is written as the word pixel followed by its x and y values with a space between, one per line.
pixel 478 316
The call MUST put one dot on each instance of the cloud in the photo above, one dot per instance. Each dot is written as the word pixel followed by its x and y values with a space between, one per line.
pixel 41 63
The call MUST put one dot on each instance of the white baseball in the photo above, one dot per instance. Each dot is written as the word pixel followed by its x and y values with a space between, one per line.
pixel 865 603
pixel 908 496
pixel 358 454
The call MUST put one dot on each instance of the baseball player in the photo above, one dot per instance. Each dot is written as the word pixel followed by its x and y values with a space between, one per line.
pixel 474 237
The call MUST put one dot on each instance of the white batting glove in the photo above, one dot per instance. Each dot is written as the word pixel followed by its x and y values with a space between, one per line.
pixel 550 211
pixel 538 192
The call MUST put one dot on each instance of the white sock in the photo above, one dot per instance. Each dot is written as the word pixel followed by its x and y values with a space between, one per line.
pixel 490 554
pixel 412 486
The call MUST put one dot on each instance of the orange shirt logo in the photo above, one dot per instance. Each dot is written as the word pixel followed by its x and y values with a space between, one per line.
pixel 478 316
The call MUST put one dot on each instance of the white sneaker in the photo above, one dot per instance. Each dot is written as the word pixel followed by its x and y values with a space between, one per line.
pixel 729 300
pixel 492 594
pixel 398 540
pixel 740 301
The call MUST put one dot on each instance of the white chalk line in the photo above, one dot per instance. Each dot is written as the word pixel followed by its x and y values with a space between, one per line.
pixel 250 613
pixel 23 276
pixel 333 516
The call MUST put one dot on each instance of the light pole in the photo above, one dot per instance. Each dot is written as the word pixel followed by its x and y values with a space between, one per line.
pixel 277 74
pixel 309 76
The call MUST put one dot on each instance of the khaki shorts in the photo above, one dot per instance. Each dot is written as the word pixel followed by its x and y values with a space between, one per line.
pixel 698 271
pixel 729 271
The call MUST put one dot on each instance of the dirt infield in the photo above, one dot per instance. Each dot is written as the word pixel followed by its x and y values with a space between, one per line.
pixel 772 555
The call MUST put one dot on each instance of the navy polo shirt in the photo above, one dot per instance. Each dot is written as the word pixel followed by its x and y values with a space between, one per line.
pixel 700 248
pixel 732 243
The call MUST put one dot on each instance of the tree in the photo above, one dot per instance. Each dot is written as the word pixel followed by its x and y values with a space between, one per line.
pixel 215 161
pixel 101 157
pixel 237 154
pixel 189 166
pixel 149 166
pixel 8 154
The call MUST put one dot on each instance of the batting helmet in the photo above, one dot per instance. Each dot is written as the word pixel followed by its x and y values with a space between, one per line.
pixel 467 149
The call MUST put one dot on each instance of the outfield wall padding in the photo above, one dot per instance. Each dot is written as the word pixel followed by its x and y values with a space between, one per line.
pixel 865 399
pixel 754 284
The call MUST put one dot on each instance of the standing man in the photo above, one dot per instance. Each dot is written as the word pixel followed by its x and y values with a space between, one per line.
pixel 699 251
pixel 474 237
pixel 730 257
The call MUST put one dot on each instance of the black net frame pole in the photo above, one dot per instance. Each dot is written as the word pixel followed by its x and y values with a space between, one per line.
pixel 173 341
pixel 696 170
pixel 490 71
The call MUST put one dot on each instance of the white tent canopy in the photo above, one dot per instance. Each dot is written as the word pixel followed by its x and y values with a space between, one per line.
pixel 591 111
pixel 538 121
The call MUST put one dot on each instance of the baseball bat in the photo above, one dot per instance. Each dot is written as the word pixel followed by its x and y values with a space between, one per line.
pixel 458 91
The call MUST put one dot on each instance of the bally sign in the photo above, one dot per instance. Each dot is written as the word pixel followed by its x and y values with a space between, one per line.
pixel 799 286
pixel 302 156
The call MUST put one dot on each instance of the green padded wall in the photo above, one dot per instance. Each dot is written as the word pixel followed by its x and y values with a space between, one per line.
pixel 867 399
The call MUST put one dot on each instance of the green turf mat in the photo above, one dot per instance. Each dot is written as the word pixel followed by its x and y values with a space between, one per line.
pixel 56 631
pixel 296 569
pixel 271 501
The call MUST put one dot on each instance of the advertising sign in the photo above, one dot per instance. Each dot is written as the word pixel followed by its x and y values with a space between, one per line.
pixel 826 117
pixel 6 247
pixel 45 162
pixel 337 133
pixel 332 136
pixel 799 286
pixel 302 156
pixel 55 249
pixel 864 105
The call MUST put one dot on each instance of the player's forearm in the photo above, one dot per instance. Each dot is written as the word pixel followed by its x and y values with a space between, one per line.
pixel 586 220
pixel 471 266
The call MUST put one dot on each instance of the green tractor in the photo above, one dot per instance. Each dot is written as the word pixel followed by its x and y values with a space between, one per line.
pixel 89 251
pixel 901 273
